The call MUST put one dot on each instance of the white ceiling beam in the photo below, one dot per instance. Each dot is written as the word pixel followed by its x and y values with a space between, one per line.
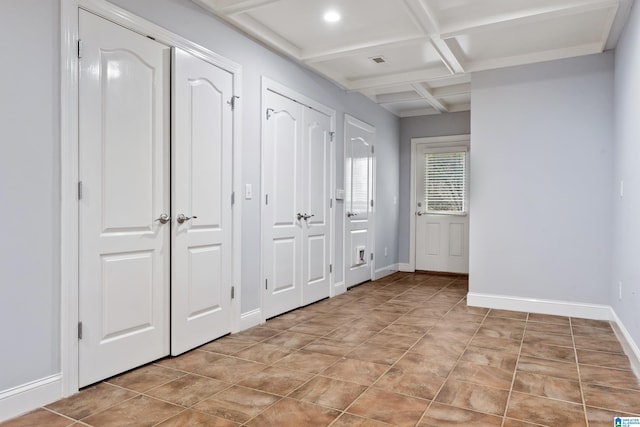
pixel 618 24
pixel 459 89
pixel 395 79
pixel 417 112
pixel 358 49
pixel 391 98
pixel 448 57
pixel 428 96
pixel 572 7
pixel 229 7
pixel 456 108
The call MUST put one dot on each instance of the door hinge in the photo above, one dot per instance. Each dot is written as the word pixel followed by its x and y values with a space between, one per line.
pixel 266 199
pixel 371 256
pixel 332 135
pixel 371 202
pixel 233 292
pixel 269 113
pixel 233 198
pixel 79 48
pixel 232 102
pixel 266 282
pixel 79 190
pixel 79 330
pixel 331 203
pixel 330 268
pixel 373 149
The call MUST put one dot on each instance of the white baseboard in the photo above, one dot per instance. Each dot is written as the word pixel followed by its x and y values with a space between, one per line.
pixel 532 305
pixel 385 271
pixel 339 288
pixel 27 397
pixel 628 344
pixel 407 268
pixel 563 308
pixel 250 319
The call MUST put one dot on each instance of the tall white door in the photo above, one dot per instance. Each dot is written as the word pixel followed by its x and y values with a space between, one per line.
pixel 282 233
pixel 295 214
pixel 124 173
pixel 316 209
pixel 442 222
pixel 201 272
pixel 359 200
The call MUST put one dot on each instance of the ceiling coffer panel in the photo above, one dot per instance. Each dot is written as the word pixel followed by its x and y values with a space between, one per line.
pixel 415 57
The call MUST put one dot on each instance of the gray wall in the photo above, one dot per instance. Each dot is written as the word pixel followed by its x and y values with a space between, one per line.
pixel 626 235
pixel 541 174
pixel 29 191
pixel 418 127
pixel 30 176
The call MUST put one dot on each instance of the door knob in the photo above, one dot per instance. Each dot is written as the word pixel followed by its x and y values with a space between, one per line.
pixel 419 213
pixel 181 218
pixel 350 214
pixel 300 216
pixel 164 218
pixel 306 217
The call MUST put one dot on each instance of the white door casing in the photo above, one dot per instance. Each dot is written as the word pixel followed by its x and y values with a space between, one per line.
pixel 296 213
pixel 201 273
pixel 441 240
pixel 124 173
pixel 359 201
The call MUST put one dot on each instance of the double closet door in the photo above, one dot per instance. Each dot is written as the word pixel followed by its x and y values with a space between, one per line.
pixel 296 209
pixel 155 214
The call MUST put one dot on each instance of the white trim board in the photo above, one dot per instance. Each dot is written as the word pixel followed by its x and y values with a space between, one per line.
pixel 24 398
pixel 250 319
pixel 385 271
pixel 407 268
pixel 563 308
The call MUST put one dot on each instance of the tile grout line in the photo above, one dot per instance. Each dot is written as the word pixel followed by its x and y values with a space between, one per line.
pixel 515 371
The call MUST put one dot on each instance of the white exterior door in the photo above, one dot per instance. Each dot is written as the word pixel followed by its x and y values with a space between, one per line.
pixel 442 222
pixel 296 211
pixel 201 272
pixel 359 201
pixel 124 173
pixel 316 210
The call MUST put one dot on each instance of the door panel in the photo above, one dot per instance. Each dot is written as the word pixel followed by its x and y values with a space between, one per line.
pixel 442 241
pixel 201 189
pixel 359 142
pixel 315 199
pixel 281 254
pixel 124 169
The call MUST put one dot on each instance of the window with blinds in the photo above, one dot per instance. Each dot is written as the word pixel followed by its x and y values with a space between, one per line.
pixel 445 182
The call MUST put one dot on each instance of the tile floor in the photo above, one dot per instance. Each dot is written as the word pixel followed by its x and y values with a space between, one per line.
pixel 403 351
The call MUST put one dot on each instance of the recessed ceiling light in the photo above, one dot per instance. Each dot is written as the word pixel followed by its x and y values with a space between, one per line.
pixel 332 16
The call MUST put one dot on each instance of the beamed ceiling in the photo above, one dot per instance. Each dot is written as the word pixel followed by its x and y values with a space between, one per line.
pixel 414 57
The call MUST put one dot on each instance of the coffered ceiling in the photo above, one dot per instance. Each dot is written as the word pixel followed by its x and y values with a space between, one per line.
pixel 414 57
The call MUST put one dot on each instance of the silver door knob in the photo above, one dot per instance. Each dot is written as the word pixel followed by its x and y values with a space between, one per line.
pixel 306 217
pixel 182 219
pixel 419 213
pixel 300 216
pixel 350 214
pixel 164 218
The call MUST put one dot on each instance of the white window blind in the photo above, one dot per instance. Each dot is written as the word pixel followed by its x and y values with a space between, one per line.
pixel 445 182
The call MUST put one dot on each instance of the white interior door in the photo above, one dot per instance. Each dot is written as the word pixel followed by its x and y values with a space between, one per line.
pixel 315 198
pixel 282 188
pixel 442 221
pixel 359 203
pixel 201 272
pixel 124 173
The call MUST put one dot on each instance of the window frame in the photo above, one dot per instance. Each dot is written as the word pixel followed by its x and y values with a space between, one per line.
pixel 446 148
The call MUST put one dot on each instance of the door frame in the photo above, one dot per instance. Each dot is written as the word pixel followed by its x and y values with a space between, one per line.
pixel 433 142
pixel 270 85
pixel 69 73
pixel 351 120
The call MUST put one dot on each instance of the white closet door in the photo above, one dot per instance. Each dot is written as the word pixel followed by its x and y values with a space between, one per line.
pixel 315 198
pixel 124 169
pixel 201 274
pixel 359 151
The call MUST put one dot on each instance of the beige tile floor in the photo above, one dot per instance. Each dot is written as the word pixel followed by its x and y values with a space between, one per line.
pixel 403 351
